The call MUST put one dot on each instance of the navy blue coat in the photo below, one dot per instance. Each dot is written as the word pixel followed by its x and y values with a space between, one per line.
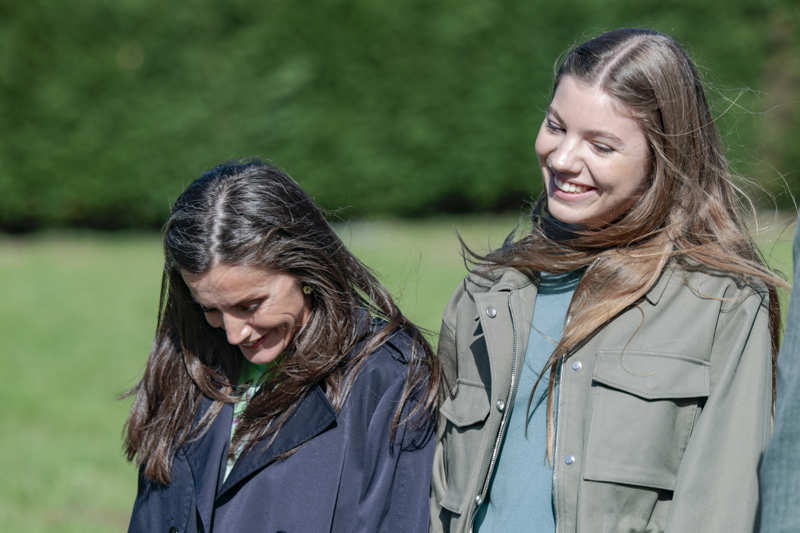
pixel 345 475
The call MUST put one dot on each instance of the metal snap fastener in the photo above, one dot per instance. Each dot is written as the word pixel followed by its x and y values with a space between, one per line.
pixel 501 405
pixel 569 459
pixel 478 499
pixel 577 365
pixel 491 312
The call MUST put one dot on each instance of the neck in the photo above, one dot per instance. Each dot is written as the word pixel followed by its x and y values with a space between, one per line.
pixel 557 230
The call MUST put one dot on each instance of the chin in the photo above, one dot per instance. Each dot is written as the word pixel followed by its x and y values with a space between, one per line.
pixel 261 357
pixel 566 215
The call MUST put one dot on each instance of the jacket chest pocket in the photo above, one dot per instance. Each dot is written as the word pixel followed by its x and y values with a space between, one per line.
pixel 644 406
pixel 462 419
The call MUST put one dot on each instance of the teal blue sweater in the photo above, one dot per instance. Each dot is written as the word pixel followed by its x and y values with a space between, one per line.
pixel 521 492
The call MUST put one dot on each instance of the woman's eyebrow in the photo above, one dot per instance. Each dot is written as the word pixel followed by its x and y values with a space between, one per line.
pixel 606 135
pixel 591 133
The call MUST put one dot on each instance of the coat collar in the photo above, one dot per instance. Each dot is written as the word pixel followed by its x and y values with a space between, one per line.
pixel 312 416
pixel 513 279
pixel 657 290
pixel 500 279
pixel 207 455
pixel 206 458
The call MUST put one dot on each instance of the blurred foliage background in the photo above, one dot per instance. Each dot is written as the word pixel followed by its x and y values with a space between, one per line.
pixel 404 108
pixel 379 109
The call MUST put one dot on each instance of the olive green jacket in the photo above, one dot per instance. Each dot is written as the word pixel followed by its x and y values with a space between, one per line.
pixel 662 414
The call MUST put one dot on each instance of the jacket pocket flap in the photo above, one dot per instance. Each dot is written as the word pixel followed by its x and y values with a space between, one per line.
pixel 470 404
pixel 653 375
pixel 453 501
pixel 650 476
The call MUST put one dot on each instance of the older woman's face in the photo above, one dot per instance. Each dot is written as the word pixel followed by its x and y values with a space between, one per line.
pixel 260 310
pixel 593 154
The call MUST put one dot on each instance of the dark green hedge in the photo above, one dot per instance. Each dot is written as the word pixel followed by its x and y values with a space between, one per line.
pixel 406 108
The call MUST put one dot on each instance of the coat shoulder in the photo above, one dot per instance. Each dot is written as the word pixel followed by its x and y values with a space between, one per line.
pixel 732 291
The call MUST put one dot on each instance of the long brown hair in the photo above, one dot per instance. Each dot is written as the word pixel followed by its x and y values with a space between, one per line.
pixel 688 214
pixel 252 214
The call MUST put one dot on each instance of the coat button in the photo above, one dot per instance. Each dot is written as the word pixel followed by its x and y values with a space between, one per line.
pixel 173 530
pixel 491 312
pixel 501 405
pixel 478 499
pixel 569 459
pixel 577 365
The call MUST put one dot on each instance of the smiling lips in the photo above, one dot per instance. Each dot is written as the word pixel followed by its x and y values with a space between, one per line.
pixel 273 336
pixel 253 345
pixel 571 188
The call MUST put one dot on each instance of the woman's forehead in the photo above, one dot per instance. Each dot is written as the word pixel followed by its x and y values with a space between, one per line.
pixel 230 284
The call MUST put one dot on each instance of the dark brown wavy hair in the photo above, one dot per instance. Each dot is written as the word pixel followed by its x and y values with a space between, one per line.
pixel 689 214
pixel 252 214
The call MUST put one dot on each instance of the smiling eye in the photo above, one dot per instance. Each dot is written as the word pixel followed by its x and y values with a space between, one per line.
pixel 602 148
pixel 552 125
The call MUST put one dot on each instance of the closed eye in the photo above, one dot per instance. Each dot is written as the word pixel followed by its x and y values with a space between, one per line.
pixel 602 148
pixel 249 307
pixel 552 126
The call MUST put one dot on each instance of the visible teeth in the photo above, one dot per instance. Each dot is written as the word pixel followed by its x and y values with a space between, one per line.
pixel 570 187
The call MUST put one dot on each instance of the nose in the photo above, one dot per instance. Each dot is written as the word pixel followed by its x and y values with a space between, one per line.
pixel 565 157
pixel 236 329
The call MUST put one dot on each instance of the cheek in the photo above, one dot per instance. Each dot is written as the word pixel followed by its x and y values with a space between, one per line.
pixel 214 320
pixel 306 311
pixel 624 178
pixel 636 179
pixel 542 146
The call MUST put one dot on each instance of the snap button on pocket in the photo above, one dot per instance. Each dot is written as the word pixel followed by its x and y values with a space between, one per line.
pixel 501 405
pixel 568 460
pixel 491 312
pixel 577 365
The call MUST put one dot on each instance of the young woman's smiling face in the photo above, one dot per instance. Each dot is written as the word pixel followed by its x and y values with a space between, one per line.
pixel 594 156
pixel 260 310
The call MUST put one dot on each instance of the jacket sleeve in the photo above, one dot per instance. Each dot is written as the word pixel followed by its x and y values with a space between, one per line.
pixel 161 507
pixel 391 480
pixel 446 352
pixel 717 483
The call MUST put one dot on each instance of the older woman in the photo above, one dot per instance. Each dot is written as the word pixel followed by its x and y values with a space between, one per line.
pixel 284 390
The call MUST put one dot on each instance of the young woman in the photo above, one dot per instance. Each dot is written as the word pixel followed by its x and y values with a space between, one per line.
pixel 284 391
pixel 613 369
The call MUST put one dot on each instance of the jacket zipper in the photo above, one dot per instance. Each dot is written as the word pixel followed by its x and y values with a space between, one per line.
pixel 506 411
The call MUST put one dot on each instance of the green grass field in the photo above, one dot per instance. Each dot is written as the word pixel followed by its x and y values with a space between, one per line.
pixel 76 318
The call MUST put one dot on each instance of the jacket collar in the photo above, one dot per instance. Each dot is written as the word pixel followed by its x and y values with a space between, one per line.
pixel 503 278
pixel 655 293
pixel 207 456
pixel 513 279
pixel 312 416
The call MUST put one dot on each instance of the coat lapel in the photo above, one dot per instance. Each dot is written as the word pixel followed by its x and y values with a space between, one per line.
pixel 313 415
pixel 206 459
